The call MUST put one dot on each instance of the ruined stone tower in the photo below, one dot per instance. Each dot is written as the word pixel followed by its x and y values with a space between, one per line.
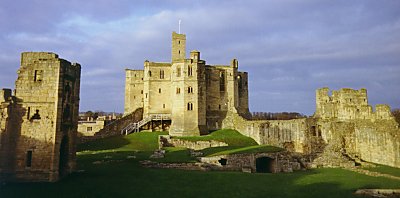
pixel 39 122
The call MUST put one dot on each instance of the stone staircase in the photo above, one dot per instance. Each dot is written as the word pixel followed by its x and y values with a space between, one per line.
pixel 135 126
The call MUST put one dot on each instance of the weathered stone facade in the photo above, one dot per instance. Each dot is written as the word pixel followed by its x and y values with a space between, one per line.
pixel 196 95
pixel 343 131
pixel 39 121
pixel 90 128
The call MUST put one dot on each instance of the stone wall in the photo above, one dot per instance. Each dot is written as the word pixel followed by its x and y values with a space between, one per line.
pixel 89 128
pixel 278 162
pixel 297 135
pixel 167 141
pixel 42 117
pixel 348 104
pixel 114 128
pixel 343 131
pixel 196 95
pixel 133 90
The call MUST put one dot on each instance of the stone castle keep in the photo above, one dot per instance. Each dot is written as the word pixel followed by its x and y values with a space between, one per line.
pixel 38 122
pixel 187 97
pixel 194 95
pixel 198 98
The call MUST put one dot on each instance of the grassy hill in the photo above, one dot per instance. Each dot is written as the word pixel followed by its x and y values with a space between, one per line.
pixel 110 168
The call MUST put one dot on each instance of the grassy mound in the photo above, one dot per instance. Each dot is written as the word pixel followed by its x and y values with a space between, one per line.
pixel 240 150
pixel 145 141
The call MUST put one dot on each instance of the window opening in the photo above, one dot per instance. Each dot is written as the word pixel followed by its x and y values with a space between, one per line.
pixel 29 158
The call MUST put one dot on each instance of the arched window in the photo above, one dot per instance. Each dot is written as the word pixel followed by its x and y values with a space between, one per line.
pixel 190 70
pixel 161 74
pixel 190 106
pixel 240 82
pixel 159 90
pixel 178 71
pixel 178 90
pixel 221 81
pixel 190 89
pixel 149 74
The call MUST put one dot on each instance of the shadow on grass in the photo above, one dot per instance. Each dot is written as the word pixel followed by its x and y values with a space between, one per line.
pixel 119 174
pixel 104 144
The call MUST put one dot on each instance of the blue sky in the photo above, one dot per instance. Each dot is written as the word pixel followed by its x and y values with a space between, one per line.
pixel 289 47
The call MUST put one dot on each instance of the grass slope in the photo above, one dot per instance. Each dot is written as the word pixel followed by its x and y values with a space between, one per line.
pixel 120 175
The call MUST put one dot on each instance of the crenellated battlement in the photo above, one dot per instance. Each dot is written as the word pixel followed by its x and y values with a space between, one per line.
pixel 348 104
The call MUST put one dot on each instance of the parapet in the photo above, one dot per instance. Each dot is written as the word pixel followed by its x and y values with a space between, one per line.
pixel 27 57
pixel 382 111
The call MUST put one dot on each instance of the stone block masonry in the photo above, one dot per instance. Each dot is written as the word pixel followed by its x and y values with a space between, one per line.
pixel 196 95
pixel 39 122
pixel 344 130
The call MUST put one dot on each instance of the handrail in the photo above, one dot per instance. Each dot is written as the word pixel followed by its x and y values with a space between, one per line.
pixel 135 126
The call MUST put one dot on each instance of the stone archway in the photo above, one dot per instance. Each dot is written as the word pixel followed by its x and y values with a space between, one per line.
pixel 63 160
pixel 265 165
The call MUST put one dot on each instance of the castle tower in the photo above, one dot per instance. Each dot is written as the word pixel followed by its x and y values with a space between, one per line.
pixel 188 90
pixel 45 117
pixel 178 50
pixel 232 86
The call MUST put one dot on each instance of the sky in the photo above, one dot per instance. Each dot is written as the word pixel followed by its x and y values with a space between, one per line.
pixel 289 48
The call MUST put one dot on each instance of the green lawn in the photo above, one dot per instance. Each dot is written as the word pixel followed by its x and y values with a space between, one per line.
pixel 117 173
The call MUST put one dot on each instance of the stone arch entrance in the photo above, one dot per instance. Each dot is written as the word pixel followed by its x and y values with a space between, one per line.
pixel 63 162
pixel 265 165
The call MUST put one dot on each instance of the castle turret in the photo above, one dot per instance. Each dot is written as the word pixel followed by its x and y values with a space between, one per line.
pixel 178 52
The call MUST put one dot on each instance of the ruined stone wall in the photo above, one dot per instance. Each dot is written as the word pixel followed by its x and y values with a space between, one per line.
pixel 44 117
pixel 350 127
pixel 280 162
pixel 348 104
pixel 297 135
pixel 167 141
pixel 7 142
pixel 378 143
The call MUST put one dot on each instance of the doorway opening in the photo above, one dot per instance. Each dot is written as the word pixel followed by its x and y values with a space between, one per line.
pixel 265 165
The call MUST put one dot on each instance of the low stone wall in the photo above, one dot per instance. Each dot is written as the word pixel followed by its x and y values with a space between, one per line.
pixel 167 141
pixel 114 128
pixel 182 166
pixel 378 192
pixel 278 162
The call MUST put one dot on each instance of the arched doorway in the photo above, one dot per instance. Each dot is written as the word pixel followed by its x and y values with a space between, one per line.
pixel 63 162
pixel 265 165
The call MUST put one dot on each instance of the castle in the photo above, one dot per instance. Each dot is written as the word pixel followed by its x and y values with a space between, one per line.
pixel 198 98
pixel 194 95
pixel 38 122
